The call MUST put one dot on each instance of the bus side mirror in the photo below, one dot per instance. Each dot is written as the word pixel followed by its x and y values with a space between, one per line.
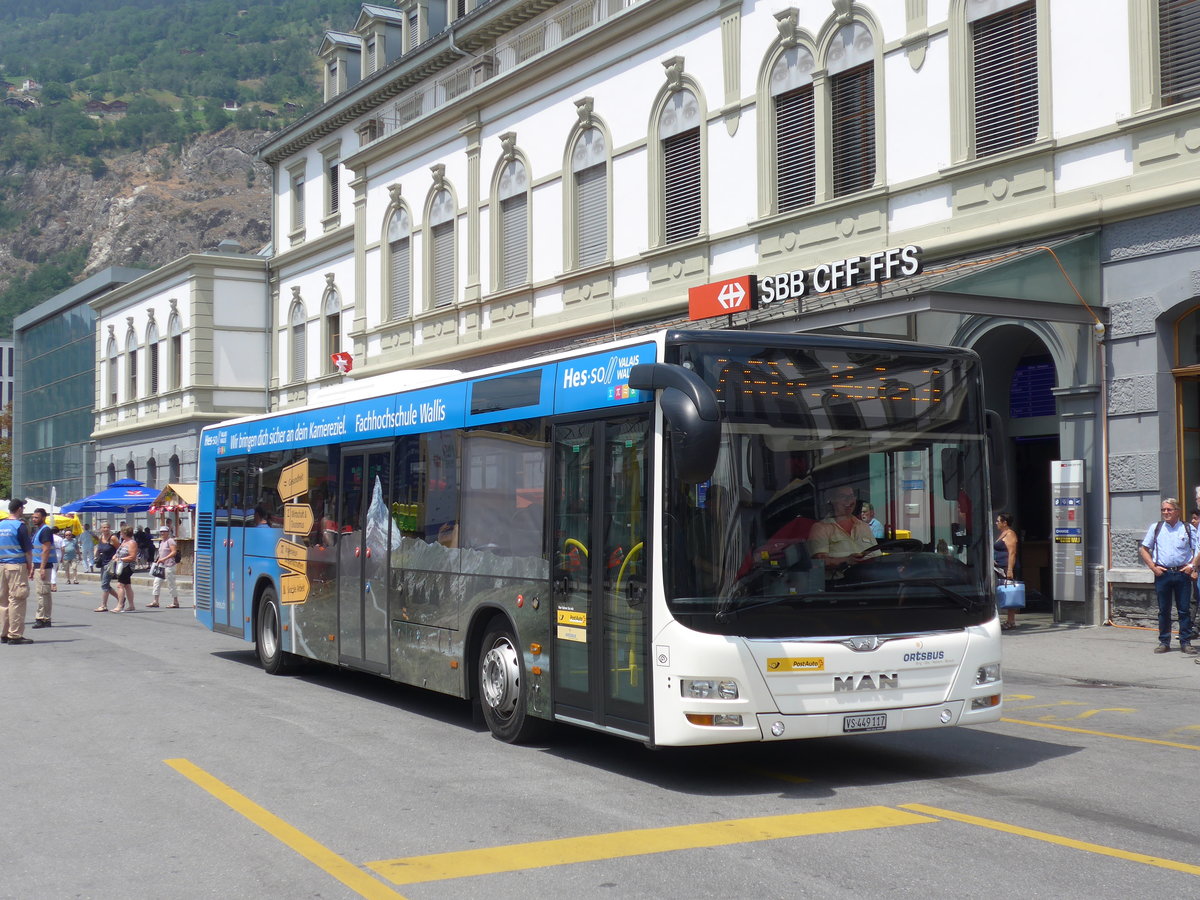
pixel 997 467
pixel 690 408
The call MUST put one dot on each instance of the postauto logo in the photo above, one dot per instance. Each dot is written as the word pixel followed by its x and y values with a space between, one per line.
pixel 733 295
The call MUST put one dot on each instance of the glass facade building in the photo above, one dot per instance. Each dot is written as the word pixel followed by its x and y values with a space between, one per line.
pixel 55 396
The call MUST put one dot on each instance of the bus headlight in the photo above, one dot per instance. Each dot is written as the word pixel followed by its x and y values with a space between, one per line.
pixel 987 674
pixel 709 688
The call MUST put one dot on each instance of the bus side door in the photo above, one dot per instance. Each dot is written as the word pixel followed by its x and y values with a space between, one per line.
pixel 227 548
pixel 363 551
pixel 600 526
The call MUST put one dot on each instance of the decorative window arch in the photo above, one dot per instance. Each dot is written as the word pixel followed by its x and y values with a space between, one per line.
pixel 152 358
pixel 851 65
pixel 787 131
pixel 999 76
pixel 510 217
pixel 110 353
pixel 131 368
pixel 130 470
pixel 151 472
pixel 586 197
pixel 297 324
pixel 331 326
pixel 441 219
pixel 112 472
pixel 175 352
pixel 173 468
pixel 397 264
pixel 678 142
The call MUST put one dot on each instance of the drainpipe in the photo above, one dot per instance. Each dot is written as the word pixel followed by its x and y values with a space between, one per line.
pixel 1106 494
pixel 453 46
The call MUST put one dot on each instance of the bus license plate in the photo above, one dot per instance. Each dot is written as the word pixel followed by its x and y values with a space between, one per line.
pixel 876 722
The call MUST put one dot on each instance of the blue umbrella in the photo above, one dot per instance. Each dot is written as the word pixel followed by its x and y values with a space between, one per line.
pixel 124 496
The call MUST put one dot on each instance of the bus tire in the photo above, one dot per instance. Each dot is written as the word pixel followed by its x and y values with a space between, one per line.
pixel 504 687
pixel 268 637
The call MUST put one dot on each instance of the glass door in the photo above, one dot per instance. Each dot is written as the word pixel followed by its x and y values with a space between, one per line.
pixel 600 595
pixel 363 550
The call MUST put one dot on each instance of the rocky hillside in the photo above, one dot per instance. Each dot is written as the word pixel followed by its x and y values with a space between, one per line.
pixel 147 209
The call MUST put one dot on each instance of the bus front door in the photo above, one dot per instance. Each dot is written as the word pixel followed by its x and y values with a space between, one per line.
pixel 362 554
pixel 227 549
pixel 600 597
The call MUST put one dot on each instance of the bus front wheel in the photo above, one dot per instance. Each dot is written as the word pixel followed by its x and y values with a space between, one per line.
pixel 503 687
pixel 269 636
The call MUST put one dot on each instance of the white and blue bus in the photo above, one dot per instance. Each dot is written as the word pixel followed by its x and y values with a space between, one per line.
pixel 623 538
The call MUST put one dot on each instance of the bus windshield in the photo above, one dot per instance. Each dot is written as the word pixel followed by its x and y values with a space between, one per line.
pixel 849 495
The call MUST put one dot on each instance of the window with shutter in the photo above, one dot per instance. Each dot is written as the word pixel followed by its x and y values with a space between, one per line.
pixel 298 350
pixel 513 193
pixel 152 362
pixel 589 165
pixel 175 330
pixel 131 366
pixel 332 313
pixel 334 187
pixel 795 130
pixel 112 373
pixel 441 249
pixel 400 264
pixel 1005 79
pixel 679 133
pixel 851 66
pixel 1179 50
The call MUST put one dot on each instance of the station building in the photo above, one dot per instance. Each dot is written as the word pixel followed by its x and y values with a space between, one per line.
pixel 489 180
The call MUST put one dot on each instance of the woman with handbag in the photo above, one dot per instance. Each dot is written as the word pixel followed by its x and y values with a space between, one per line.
pixel 125 560
pixel 1005 555
pixel 106 549
pixel 164 568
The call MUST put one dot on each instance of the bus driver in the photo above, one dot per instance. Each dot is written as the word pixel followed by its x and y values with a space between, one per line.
pixel 843 539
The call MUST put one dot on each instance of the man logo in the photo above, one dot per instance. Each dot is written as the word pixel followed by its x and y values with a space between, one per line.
pixel 865 643
pixel 879 682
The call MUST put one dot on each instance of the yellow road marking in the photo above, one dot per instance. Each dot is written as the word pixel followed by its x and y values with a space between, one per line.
pixel 1107 734
pixel 1092 712
pixel 640 842
pixel 1056 839
pixel 342 869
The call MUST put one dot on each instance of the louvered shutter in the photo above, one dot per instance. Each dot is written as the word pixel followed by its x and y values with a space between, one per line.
pixel 795 149
pixel 852 120
pixel 1179 49
pixel 591 187
pixel 298 349
pixel 1004 51
pixel 152 374
pixel 401 278
pixel 681 181
pixel 442 250
pixel 514 244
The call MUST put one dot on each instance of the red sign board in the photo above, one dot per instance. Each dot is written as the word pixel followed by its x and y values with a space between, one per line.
pixel 721 298
pixel 343 360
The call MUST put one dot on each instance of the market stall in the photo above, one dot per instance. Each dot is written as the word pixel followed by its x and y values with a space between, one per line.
pixel 175 507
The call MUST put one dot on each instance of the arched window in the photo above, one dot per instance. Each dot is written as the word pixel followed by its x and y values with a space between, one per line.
pixel 682 167
pixel 151 472
pixel 130 470
pixel 441 265
pixel 112 472
pixel 131 372
pixel 1004 75
pixel 113 372
pixel 297 355
pixel 793 113
pixel 850 62
pixel 589 214
pixel 399 244
pixel 512 223
pixel 173 468
pixel 152 353
pixel 175 330
pixel 331 324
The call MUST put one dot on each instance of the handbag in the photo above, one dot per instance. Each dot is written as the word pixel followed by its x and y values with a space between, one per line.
pixel 1010 595
pixel 158 571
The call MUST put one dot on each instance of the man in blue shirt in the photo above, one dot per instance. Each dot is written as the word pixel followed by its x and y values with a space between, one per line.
pixel 16 568
pixel 1170 550
pixel 44 558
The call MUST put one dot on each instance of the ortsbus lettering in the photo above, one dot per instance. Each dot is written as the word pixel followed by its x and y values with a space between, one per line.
pixel 835 276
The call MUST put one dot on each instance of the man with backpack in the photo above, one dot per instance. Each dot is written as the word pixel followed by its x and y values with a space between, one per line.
pixel 1170 551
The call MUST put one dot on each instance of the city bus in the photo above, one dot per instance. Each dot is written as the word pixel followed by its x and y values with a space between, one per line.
pixel 621 537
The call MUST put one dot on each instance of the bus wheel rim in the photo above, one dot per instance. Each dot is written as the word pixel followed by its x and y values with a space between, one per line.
pixel 501 678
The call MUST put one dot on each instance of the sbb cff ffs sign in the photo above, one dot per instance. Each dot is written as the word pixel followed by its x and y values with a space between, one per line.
pixel 721 298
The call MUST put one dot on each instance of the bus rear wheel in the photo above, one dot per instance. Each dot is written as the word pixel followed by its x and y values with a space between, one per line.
pixel 503 687
pixel 269 636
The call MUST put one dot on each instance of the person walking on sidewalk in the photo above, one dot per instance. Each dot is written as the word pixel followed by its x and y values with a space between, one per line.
pixel 125 560
pixel 70 558
pixel 16 568
pixel 1169 550
pixel 44 558
pixel 164 568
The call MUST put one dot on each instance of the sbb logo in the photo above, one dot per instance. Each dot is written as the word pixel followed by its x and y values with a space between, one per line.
pixel 722 298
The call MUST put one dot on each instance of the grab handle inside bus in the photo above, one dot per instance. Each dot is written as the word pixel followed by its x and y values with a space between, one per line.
pixel 690 408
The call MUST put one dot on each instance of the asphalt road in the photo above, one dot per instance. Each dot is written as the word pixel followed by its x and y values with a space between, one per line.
pixel 147 757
